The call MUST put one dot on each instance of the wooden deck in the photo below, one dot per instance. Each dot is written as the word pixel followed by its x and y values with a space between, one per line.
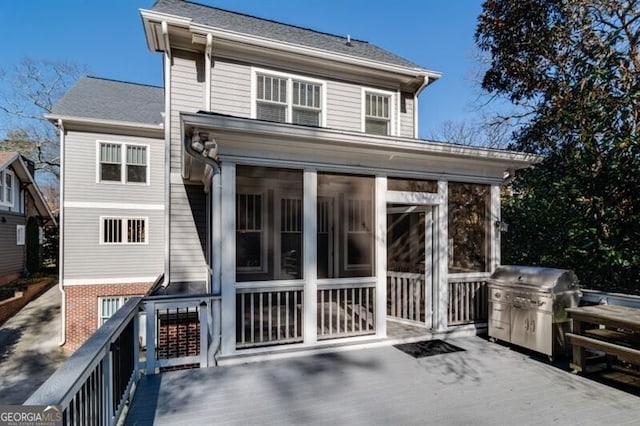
pixel 487 384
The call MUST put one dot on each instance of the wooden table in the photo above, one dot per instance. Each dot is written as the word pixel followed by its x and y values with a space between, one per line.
pixel 612 329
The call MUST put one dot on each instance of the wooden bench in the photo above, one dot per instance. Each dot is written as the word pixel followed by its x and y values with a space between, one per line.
pixel 611 342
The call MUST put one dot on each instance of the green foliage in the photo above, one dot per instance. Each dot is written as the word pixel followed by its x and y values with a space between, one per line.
pixel 573 70
pixel 50 247
pixel 32 239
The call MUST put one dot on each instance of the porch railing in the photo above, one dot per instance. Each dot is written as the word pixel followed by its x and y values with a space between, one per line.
pixel 346 310
pixel 406 295
pixel 269 316
pixel 92 386
pixel 468 301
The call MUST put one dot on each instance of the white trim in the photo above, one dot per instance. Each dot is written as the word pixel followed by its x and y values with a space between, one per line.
pixel 309 250
pixel 3 174
pixel 121 301
pixel 96 121
pixel 494 232
pixel 228 262
pixel 123 163
pixel 393 110
pixel 119 280
pixel 112 206
pixel 289 77
pixel 422 198
pixel 20 235
pixel 123 228
pixel 380 233
pixel 441 260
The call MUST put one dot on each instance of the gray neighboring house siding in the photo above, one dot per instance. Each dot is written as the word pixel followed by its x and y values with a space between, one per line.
pixel 11 254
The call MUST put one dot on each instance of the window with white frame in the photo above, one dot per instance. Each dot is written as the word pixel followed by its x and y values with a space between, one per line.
pixel 6 188
pixel 377 115
pixel 288 99
pixel 125 163
pixel 108 306
pixel 117 230
pixel 20 230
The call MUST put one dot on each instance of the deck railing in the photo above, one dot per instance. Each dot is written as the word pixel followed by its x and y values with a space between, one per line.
pixel 346 310
pixel 406 295
pixel 92 386
pixel 269 316
pixel 468 301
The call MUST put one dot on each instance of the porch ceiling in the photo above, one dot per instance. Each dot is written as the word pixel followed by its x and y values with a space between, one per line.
pixel 242 138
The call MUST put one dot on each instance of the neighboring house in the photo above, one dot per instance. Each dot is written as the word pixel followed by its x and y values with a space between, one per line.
pixel 281 170
pixel 20 199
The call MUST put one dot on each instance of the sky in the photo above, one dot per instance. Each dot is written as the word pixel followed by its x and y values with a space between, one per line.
pixel 107 37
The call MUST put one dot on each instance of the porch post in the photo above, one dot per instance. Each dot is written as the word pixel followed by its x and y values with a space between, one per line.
pixel 441 289
pixel 215 247
pixel 494 231
pixel 381 255
pixel 228 258
pixel 310 228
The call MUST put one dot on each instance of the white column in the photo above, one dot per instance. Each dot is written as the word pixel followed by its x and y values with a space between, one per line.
pixel 228 258
pixel 494 231
pixel 441 287
pixel 381 255
pixel 216 256
pixel 310 232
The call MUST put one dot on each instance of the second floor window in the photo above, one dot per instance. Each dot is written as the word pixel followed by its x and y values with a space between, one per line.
pixel 123 163
pixel 6 188
pixel 124 230
pixel 288 100
pixel 377 117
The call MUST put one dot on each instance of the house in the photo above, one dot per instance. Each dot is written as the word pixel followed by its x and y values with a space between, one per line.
pixel 20 200
pixel 279 171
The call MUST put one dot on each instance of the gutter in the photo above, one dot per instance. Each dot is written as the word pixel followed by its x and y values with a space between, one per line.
pixel 63 308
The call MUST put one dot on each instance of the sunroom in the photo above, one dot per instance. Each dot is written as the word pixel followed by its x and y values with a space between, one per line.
pixel 319 237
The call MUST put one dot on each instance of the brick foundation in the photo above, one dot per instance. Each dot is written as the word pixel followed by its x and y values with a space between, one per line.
pixel 81 308
pixel 178 335
pixel 4 279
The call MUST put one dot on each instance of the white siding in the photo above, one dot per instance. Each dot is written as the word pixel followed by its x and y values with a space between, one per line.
pixel 344 106
pixel 188 226
pixel 406 117
pixel 231 89
pixel 81 166
pixel 187 95
pixel 86 258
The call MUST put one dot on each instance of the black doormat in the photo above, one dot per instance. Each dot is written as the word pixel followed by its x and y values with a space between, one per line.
pixel 427 348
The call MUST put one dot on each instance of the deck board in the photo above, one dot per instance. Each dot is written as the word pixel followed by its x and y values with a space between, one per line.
pixel 486 384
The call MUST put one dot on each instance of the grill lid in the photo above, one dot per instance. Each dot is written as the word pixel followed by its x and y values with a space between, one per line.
pixel 538 278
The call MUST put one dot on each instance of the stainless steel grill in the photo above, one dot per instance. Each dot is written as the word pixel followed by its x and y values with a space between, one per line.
pixel 527 307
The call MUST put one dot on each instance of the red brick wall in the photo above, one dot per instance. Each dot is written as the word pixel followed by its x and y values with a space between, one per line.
pixel 4 279
pixel 178 335
pixel 81 308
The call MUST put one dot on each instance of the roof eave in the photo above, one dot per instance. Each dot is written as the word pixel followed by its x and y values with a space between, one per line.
pixel 102 122
pixel 155 43
pixel 508 159
pixel 23 173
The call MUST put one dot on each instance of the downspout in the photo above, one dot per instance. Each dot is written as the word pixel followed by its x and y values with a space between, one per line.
pixel 425 83
pixel 207 73
pixel 63 306
pixel 167 153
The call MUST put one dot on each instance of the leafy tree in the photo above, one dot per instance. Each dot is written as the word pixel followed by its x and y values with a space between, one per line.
pixel 572 69
pixel 27 92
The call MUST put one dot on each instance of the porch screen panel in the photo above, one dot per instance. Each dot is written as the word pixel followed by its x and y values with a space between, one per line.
pixel 268 224
pixel 469 222
pixel 345 237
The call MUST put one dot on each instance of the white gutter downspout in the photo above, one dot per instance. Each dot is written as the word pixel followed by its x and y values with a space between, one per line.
pixel 207 73
pixel 425 83
pixel 167 153
pixel 63 307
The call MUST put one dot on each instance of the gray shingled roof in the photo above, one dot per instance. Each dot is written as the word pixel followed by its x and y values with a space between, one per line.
pixel 246 24
pixel 102 99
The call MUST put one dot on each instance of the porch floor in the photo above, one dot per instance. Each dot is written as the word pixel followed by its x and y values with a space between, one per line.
pixel 484 384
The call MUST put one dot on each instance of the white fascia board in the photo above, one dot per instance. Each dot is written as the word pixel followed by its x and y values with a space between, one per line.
pixel 101 122
pixel 98 281
pixel 382 143
pixel 284 46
